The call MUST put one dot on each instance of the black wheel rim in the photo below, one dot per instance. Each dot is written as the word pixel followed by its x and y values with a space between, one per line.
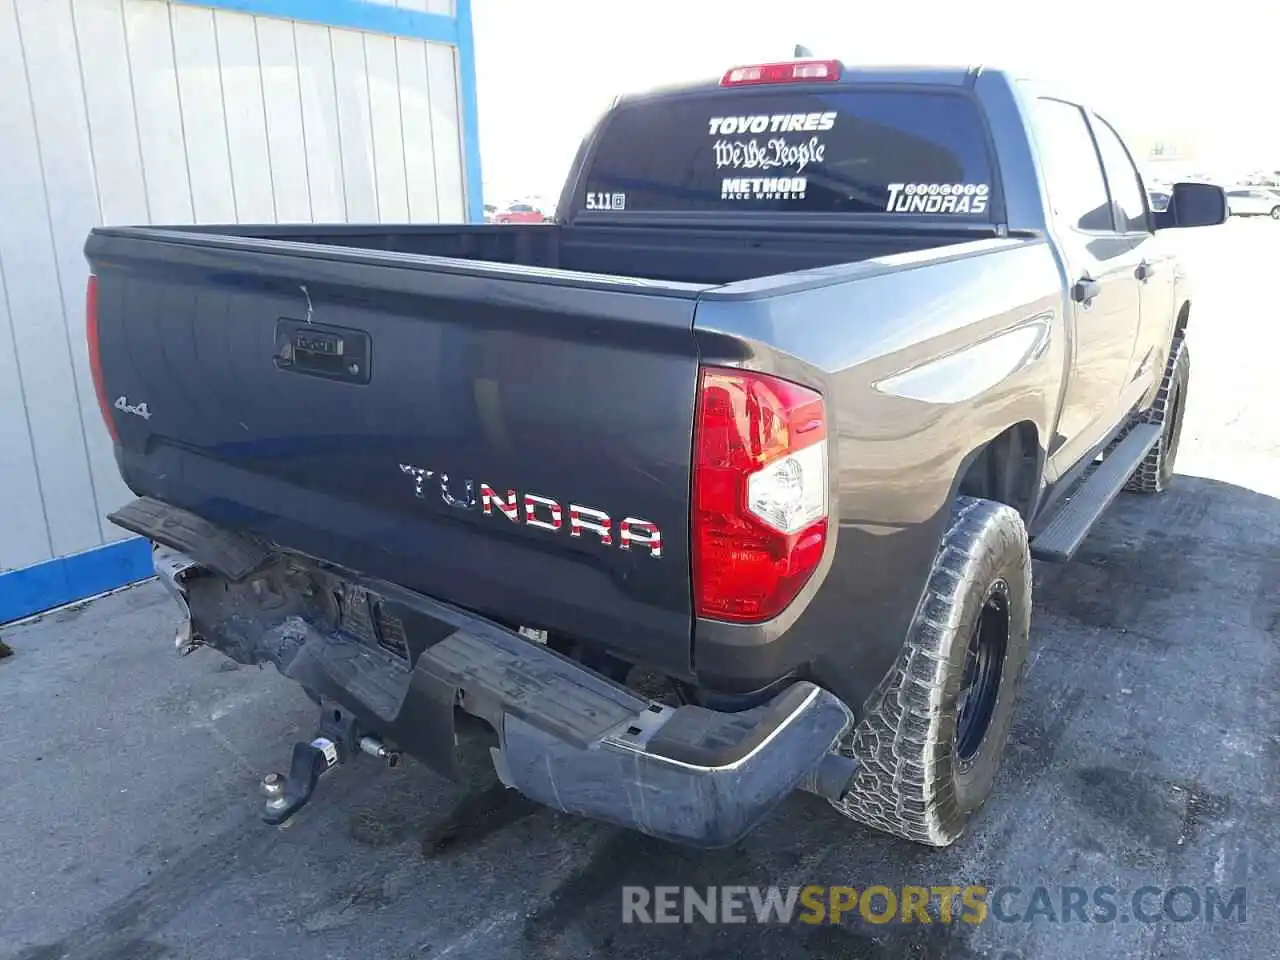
pixel 983 667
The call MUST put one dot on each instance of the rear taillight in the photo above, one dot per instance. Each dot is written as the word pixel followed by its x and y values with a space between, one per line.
pixel 95 353
pixel 759 493
pixel 798 71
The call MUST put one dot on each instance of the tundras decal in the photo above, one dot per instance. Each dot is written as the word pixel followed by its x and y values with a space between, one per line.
pixel 937 198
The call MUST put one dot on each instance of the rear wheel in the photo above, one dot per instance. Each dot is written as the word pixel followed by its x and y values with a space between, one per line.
pixel 1275 213
pixel 935 729
pixel 1156 470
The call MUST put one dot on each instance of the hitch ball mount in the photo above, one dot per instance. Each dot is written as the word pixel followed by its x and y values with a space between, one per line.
pixel 337 743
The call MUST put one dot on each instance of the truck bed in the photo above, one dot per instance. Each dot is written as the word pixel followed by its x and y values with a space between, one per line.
pixel 679 254
pixel 494 388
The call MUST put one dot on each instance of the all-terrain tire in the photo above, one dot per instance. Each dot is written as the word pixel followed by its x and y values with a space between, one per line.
pixel 912 780
pixel 1156 470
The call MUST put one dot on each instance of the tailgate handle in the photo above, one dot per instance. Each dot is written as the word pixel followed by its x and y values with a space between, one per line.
pixel 316 350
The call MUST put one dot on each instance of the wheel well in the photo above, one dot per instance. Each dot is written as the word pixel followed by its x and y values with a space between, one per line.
pixel 1184 316
pixel 1005 469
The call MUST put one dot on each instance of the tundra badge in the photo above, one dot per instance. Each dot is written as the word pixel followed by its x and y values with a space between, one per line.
pixel 534 510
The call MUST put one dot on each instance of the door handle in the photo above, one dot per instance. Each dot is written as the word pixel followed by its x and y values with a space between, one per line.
pixel 1145 271
pixel 1085 290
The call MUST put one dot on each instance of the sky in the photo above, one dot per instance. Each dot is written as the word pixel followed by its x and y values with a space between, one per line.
pixel 1197 73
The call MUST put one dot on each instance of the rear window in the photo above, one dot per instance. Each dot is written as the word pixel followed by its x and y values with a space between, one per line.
pixel 841 151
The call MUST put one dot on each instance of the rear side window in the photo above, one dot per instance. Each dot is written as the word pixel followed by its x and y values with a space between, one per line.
pixel 839 151
pixel 1072 170
pixel 1126 185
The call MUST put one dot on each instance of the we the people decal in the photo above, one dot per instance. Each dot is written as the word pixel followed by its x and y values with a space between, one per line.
pixel 759 143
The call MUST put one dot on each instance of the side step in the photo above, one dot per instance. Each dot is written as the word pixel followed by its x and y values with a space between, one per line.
pixel 1061 537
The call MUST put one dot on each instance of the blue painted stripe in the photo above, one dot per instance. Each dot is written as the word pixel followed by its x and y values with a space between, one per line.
pixel 51 584
pixel 353 14
pixel 470 113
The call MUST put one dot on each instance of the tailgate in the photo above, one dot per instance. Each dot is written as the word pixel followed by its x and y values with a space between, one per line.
pixel 512 440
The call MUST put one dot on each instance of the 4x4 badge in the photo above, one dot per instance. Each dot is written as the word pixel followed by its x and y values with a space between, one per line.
pixel 139 410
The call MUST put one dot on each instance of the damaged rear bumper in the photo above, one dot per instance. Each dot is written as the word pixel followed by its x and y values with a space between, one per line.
pixel 567 737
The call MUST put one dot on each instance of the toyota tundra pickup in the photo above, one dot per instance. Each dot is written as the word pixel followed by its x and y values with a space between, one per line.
pixel 724 485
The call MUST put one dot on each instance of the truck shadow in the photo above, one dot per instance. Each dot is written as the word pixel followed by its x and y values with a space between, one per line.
pixel 1202 542
pixel 1152 564
pixel 588 906
pixel 1093 785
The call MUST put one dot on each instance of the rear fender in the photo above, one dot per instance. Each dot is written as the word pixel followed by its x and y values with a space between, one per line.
pixel 924 360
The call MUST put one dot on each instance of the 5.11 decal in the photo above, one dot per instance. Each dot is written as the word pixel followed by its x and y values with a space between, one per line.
pixel 606 201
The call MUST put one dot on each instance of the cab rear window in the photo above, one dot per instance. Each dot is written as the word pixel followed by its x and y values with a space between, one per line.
pixel 907 153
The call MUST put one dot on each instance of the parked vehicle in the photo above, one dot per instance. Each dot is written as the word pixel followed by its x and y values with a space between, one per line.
pixel 814 361
pixel 519 213
pixel 1253 202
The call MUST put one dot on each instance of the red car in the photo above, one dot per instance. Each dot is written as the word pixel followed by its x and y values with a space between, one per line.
pixel 519 213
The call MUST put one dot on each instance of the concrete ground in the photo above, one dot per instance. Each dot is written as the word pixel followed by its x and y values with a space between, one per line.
pixel 1146 752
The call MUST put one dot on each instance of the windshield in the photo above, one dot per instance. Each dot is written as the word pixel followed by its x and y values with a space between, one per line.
pixel 907 153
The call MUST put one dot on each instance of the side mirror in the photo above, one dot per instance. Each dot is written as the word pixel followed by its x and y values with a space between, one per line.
pixel 1193 205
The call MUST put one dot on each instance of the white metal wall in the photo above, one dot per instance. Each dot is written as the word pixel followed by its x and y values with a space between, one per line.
pixel 142 111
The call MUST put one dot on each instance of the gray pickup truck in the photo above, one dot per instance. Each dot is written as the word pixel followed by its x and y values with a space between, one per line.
pixel 726 484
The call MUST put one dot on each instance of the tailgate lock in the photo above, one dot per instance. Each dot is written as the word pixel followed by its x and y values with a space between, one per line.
pixel 319 350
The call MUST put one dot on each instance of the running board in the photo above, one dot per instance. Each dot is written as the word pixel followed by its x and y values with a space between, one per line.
pixel 1061 537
